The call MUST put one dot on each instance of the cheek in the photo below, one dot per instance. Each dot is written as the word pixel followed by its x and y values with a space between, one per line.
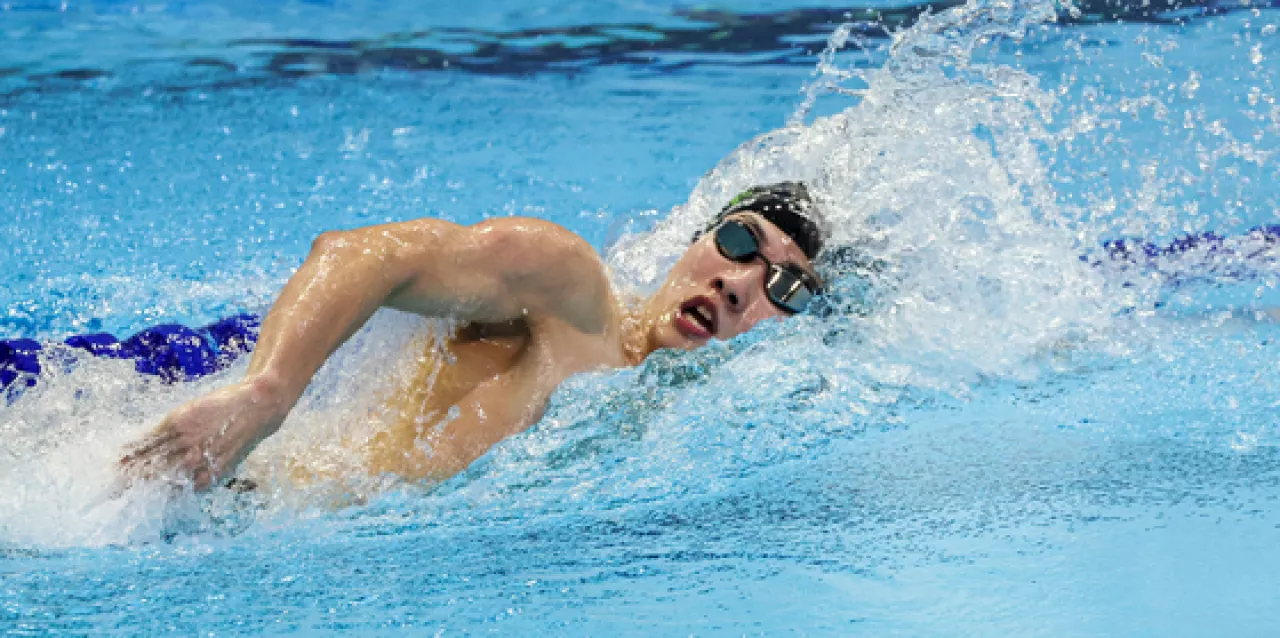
pixel 760 310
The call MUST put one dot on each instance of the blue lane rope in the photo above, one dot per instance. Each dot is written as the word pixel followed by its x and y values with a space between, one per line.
pixel 172 352
pixel 1206 245
pixel 175 352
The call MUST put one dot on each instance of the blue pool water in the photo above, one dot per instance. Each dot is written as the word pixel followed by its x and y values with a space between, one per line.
pixel 990 437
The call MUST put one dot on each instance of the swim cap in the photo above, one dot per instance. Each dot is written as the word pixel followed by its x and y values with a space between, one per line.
pixel 786 205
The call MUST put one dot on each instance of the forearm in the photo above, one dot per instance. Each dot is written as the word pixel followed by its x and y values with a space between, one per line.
pixel 340 285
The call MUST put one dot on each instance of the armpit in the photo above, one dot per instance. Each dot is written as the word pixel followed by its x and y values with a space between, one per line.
pixel 478 331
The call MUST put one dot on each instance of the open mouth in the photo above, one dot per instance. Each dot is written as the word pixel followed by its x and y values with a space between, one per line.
pixel 697 318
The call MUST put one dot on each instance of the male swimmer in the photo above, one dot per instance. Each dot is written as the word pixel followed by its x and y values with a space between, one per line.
pixel 534 304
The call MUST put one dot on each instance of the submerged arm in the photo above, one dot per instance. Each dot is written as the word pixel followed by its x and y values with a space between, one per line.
pixel 494 271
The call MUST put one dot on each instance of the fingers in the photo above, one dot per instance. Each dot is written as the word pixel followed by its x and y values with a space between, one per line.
pixel 174 478
pixel 169 467
pixel 171 483
pixel 202 479
pixel 147 470
pixel 149 445
pixel 124 480
pixel 139 469
pixel 151 456
pixel 164 456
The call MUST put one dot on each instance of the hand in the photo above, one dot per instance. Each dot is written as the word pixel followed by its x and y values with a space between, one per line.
pixel 206 438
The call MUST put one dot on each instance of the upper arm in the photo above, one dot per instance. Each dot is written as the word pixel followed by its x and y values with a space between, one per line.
pixel 497 270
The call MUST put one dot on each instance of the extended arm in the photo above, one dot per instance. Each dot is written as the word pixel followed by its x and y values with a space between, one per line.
pixel 494 271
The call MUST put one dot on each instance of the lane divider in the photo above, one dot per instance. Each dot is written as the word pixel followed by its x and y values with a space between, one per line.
pixel 172 352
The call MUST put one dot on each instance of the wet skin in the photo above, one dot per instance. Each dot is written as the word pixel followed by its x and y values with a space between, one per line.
pixel 541 313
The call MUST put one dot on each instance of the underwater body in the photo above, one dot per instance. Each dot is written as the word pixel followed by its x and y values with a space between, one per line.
pixel 1042 402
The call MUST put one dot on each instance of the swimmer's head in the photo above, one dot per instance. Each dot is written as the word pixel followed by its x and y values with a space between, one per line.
pixel 753 262
pixel 786 205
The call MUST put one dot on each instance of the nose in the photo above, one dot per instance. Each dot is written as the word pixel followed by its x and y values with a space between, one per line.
pixel 736 287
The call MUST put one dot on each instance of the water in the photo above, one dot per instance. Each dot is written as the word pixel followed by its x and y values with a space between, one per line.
pixel 991 437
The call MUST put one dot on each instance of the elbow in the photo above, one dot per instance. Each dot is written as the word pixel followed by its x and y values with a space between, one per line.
pixel 329 242
pixel 345 249
pixel 374 245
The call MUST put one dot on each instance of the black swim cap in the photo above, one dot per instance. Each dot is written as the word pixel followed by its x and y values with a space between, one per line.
pixel 786 205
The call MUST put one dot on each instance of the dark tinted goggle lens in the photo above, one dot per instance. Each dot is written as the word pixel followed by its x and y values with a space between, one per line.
pixel 787 287
pixel 736 242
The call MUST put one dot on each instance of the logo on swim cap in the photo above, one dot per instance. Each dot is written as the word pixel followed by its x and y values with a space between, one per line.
pixel 740 198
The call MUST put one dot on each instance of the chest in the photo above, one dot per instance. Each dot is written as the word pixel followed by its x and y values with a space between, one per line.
pixel 470 392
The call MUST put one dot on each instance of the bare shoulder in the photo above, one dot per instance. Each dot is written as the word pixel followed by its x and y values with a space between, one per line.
pixel 556 271
pixel 499 241
pixel 533 238
pixel 498 270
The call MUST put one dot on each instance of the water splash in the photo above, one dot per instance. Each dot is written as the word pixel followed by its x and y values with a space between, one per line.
pixel 63 439
pixel 936 172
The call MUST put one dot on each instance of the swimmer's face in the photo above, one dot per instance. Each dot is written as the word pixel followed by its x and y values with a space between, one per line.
pixel 707 296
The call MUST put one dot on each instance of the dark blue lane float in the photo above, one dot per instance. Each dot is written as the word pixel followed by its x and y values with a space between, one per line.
pixel 1196 257
pixel 175 352
pixel 1241 249
pixel 172 352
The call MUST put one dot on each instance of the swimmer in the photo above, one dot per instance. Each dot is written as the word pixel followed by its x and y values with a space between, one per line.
pixel 535 307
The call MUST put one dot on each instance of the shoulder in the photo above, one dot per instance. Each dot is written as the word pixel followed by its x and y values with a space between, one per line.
pixel 533 238
pixel 523 247
pixel 554 269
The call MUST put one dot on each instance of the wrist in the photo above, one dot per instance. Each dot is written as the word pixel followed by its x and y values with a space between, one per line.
pixel 268 392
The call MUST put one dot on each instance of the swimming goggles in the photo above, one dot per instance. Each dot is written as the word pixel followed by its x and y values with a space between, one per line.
pixel 786 285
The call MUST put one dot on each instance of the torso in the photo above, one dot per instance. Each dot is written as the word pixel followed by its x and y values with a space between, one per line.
pixel 493 379
pixel 486 383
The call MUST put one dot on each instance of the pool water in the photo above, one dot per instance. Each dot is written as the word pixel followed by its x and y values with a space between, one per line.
pixel 998 430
